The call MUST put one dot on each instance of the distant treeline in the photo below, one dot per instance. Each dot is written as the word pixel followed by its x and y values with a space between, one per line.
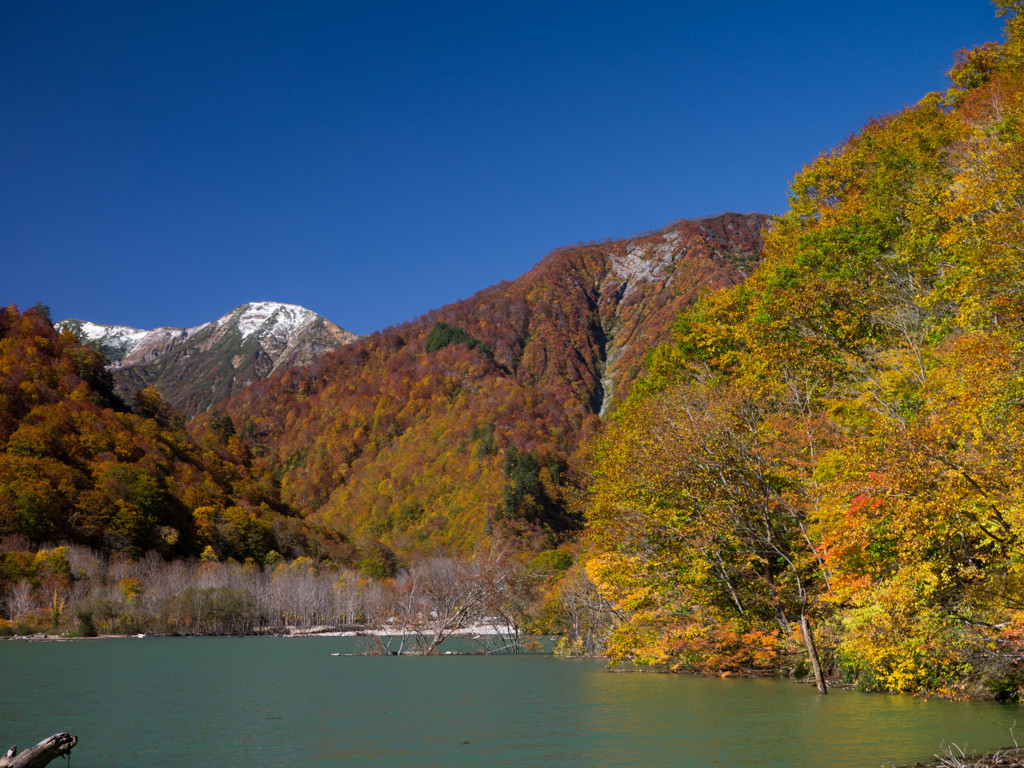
pixel 76 591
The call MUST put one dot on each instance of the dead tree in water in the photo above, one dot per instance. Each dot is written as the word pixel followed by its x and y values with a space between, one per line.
pixel 41 754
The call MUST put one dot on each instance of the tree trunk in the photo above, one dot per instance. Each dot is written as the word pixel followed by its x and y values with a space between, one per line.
pixel 812 652
pixel 41 754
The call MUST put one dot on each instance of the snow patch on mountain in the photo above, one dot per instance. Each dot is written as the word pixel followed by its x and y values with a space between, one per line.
pixel 93 332
pixel 268 317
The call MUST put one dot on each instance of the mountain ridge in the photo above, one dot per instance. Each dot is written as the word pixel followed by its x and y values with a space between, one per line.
pixel 195 367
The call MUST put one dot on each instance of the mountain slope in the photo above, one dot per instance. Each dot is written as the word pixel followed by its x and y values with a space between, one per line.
pixel 193 368
pixel 435 431
pixel 76 467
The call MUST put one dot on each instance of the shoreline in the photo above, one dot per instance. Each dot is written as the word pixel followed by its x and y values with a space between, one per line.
pixel 471 631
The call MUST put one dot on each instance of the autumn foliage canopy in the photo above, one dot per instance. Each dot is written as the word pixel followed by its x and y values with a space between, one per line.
pixel 838 440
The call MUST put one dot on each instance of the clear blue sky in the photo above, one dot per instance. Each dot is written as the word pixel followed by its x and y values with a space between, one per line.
pixel 164 162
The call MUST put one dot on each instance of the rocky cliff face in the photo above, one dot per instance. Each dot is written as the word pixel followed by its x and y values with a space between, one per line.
pixel 195 367
pixel 648 280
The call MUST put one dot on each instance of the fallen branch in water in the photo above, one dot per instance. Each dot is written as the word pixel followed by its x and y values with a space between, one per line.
pixel 41 754
pixel 1003 758
pixel 1012 757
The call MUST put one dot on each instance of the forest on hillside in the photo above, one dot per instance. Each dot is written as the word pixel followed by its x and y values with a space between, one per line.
pixel 439 431
pixel 115 519
pixel 826 461
pixel 81 466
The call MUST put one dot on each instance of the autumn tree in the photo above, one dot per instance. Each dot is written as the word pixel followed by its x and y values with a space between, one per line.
pixel 699 526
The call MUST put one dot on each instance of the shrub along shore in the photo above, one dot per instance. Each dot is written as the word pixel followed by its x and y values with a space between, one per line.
pixel 498 592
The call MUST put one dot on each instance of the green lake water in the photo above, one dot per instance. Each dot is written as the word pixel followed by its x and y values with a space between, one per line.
pixel 254 702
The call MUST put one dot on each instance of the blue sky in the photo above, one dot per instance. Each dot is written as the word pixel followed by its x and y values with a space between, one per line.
pixel 162 163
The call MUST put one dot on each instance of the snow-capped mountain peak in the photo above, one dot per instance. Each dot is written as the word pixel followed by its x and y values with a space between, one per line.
pixel 194 367
pixel 268 317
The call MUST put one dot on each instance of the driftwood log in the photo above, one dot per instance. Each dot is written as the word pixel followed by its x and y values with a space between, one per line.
pixel 41 754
